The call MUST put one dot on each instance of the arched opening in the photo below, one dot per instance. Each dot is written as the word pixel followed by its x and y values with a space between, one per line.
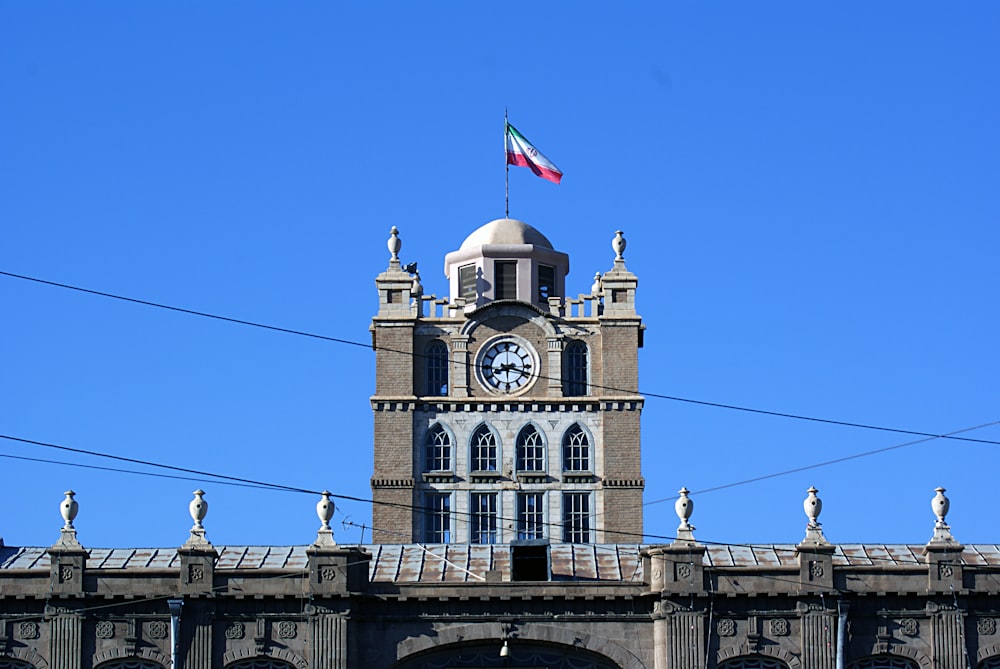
pixel 753 662
pixel 576 450
pixel 530 450
pixel 438 449
pixel 883 662
pixel 9 663
pixel 519 654
pixel 260 663
pixel 128 663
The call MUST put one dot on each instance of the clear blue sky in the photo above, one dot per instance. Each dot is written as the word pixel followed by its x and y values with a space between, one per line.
pixel 809 193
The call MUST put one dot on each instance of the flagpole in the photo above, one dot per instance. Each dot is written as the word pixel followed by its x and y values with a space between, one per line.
pixel 506 176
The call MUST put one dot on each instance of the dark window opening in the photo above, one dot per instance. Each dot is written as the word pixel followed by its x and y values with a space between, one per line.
pixel 529 563
pixel 546 282
pixel 575 369
pixel 505 286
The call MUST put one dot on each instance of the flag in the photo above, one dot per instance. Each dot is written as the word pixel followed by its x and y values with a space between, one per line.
pixel 522 153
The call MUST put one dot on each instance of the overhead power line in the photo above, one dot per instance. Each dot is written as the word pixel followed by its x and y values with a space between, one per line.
pixel 348 342
pixel 246 482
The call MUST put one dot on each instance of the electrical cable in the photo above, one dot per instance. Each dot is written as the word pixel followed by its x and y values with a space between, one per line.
pixel 636 391
pixel 430 510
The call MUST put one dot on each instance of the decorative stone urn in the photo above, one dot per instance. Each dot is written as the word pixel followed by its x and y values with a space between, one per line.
pixel 812 505
pixel 394 243
pixel 618 245
pixel 940 505
pixel 69 508
pixel 325 509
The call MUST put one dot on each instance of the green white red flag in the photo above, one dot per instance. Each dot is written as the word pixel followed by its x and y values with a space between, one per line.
pixel 522 153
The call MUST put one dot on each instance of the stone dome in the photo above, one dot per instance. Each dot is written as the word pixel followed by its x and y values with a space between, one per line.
pixel 506 231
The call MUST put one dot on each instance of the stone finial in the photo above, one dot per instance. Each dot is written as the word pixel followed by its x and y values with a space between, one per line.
pixel 684 507
pixel 68 508
pixel 394 245
pixel 618 245
pixel 940 505
pixel 596 288
pixel 812 505
pixel 198 508
pixel 325 509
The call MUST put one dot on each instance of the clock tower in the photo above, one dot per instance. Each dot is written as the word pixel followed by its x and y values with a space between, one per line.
pixel 509 411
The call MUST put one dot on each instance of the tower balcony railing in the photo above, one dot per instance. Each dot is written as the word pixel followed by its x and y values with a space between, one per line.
pixel 584 306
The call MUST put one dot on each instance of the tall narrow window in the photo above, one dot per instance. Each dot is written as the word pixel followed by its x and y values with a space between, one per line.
pixel 484 450
pixel 576 517
pixel 505 285
pixel 546 282
pixel 530 515
pixel 576 450
pixel 467 282
pixel 438 445
pixel 575 369
pixel 438 513
pixel 484 518
pixel 437 368
pixel 530 450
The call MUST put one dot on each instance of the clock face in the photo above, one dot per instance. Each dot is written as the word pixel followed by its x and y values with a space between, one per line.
pixel 506 366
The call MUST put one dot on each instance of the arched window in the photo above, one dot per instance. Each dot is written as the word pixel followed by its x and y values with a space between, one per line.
pixel 990 662
pixel 260 663
pixel 437 368
pixel 530 450
pixel 485 450
pixel 438 445
pixel 8 663
pixel 753 662
pixel 884 662
pixel 131 663
pixel 575 369
pixel 576 450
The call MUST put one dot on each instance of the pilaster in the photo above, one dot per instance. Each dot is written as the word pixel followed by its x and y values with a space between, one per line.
pixel 65 648
pixel 818 638
pixel 196 630
pixel 329 647
pixel 946 635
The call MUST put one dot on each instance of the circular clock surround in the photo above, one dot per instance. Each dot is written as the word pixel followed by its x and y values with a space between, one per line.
pixel 506 365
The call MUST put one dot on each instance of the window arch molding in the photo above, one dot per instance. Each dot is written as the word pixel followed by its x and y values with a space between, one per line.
pixel 13 663
pixel 276 658
pixel 753 662
pixel 766 654
pixel 116 658
pixel 885 662
pixel 130 663
pixel 531 447
pixel 575 439
pixel 437 367
pixel 992 662
pixel 433 441
pixel 485 449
